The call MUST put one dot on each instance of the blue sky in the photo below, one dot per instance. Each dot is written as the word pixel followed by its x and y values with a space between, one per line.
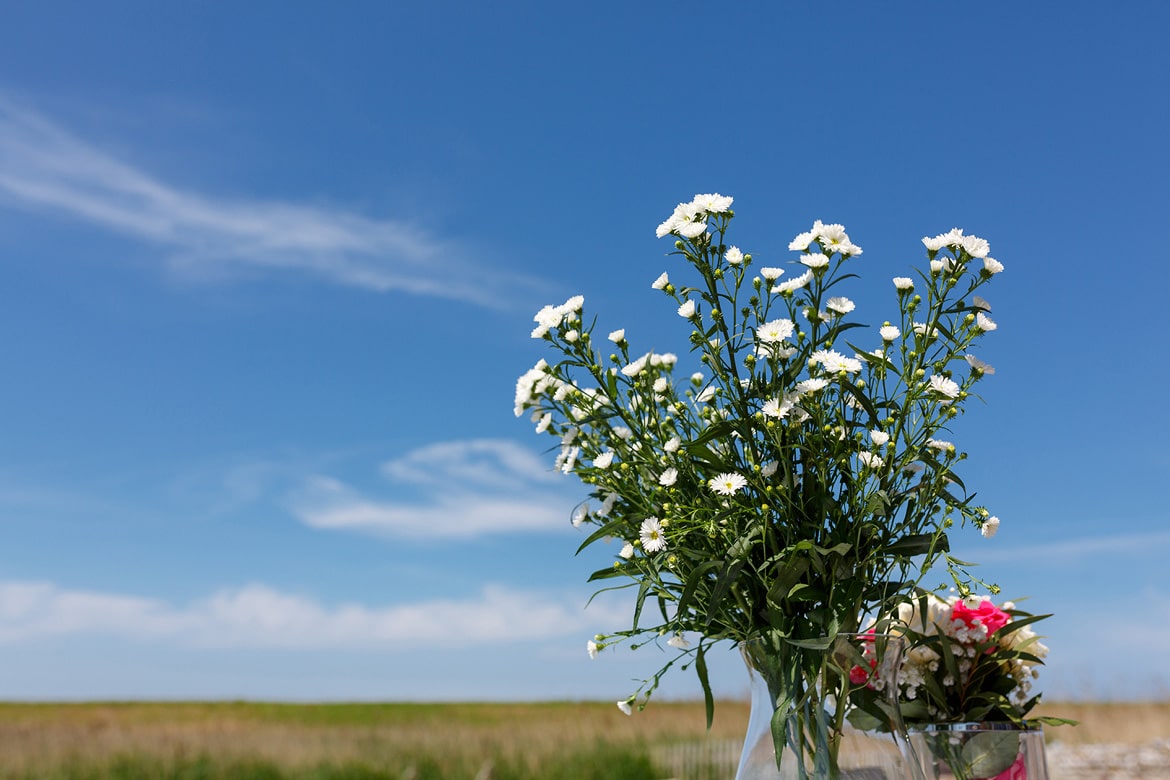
pixel 267 274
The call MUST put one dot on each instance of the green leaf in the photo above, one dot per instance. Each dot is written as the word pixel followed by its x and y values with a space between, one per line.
pixel 989 753
pixel 701 670
pixel 918 544
pixel 730 573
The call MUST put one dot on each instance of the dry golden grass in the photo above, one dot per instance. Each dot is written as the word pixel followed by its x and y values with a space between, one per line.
pixel 36 738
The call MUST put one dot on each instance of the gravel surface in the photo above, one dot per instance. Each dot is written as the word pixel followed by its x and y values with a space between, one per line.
pixel 1149 761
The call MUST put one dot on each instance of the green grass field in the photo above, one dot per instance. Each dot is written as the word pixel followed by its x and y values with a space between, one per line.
pixel 524 741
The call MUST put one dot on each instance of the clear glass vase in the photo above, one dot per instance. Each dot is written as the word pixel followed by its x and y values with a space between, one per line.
pixel 979 751
pixel 804 698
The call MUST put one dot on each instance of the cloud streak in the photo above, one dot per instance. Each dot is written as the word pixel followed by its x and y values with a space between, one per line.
pixel 466 488
pixel 44 167
pixel 261 617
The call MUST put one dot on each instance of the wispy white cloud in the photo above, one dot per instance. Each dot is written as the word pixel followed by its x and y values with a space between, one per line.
pixel 1065 550
pixel 466 488
pixel 45 167
pixel 260 616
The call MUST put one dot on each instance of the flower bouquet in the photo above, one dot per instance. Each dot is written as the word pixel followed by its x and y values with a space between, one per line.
pixel 965 688
pixel 787 481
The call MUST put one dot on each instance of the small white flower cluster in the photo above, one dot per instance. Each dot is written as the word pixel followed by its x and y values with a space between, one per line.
pixel 832 238
pixel 689 220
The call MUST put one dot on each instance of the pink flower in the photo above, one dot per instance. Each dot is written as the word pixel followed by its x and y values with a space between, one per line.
pixel 1016 771
pixel 986 614
pixel 858 675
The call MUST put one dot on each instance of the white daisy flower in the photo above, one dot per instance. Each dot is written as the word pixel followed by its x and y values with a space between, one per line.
pixel 707 394
pixel 984 323
pixel 871 461
pixel 733 256
pixel 591 648
pixel 777 408
pixel 933 244
pixel 812 385
pixel 622 432
pixel 943 386
pixel 672 445
pixel 879 438
pixel 815 260
pixel 801 242
pixel 687 310
pixel 660 385
pixel 939 265
pixel 580 514
pixel 903 283
pixel 978 365
pixel 727 484
pixel 627 551
pixel 544 423
pixel 840 304
pixel 651 535
pixel 618 336
pixel 833 361
pixel 636 367
pixel 607 505
pixel 992 266
pixel 668 477
pixel 794 283
pixel 775 331
pixel 889 332
pixel 980 303
pixel 661 282
pixel 546 319
pixel 990 527
pixel 572 336
pixel 940 445
pixel 713 203
pixel 604 460
pixel 625 707
pixel 769 468
pixel 975 246
pixel 771 274
pixel 678 641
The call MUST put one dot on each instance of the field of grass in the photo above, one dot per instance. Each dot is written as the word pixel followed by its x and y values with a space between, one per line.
pixel 524 741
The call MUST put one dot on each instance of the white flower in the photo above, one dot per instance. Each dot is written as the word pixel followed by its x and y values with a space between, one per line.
pixel 794 283
pixel 573 304
pixel 636 367
pixel 733 256
pixel 939 265
pixel 771 274
pixel 627 551
pixel 775 331
pixel 769 468
pixel 607 505
pixel 603 460
pixel 591 648
pixel 992 266
pixel 672 444
pixel 687 310
pixel 727 484
pixel 546 319
pixel 707 394
pixel 834 361
pixel 668 477
pixel 815 316
pixel 625 707
pixel 777 408
pixel 834 237
pixel 984 323
pixel 661 282
pixel 879 438
pixel 940 445
pixel 622 432
pixel 840 304
pixel 903 283
pixel 801 242
pixel 815 260
pixel 544 423
pixel 579 514
pixel 678 641
pixel 660 385
pixel 934 244
pixel 990 526
pixel 651 535
pixel 943 386
pixel 572 336
pixel 713 203
pixel 980 303
pixel 978 365
pixel 682 221
pixel 870 460
pixel 889 332
pixel 812 385
pixel 665 359
pixel 975 246
pixel 618 336
pixel 778 351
